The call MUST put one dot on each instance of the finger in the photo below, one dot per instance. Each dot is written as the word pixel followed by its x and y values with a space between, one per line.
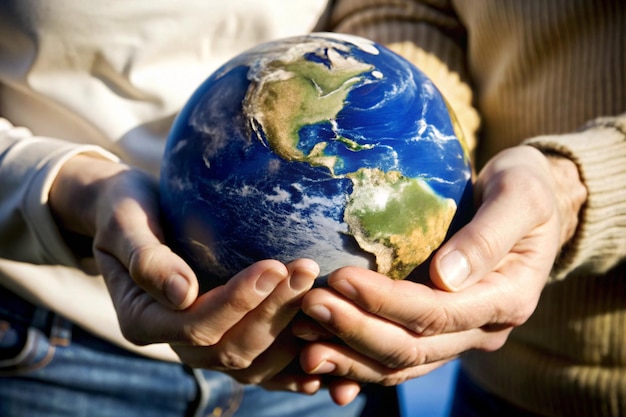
pixel 304 384
pixel 393 344
pixel 415 307
pixel 505 217
pixel 144 321
pixel 278 363
pixel 341 361
pixel 264 366
pixel 306 329
pixel 217 311
pixel 257 331
pixel 343 391
pixel 401 353
pixel 163 274
pixel 394 331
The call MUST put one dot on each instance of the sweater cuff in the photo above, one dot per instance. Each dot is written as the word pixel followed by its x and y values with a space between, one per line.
pixel 599 151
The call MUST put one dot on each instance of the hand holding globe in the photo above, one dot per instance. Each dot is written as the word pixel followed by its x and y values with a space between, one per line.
pixel 328 147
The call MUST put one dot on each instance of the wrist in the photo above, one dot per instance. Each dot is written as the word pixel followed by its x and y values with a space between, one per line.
pixel 570 193
pixel 74 194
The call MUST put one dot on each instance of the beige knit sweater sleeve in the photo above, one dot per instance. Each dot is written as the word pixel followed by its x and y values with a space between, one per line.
pixel 599 151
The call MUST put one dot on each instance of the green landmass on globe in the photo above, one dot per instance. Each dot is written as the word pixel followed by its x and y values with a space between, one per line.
pixel 397 219
pixel 290 94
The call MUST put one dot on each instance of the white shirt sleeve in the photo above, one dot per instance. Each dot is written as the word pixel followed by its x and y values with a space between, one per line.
pixel 28 166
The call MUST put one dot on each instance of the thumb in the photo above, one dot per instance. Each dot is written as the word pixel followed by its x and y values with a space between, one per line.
pixel 164 275
pixel 473 251
pixel 501 222
pixel 515 217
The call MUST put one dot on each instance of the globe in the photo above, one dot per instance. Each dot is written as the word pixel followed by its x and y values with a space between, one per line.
pixel 326 146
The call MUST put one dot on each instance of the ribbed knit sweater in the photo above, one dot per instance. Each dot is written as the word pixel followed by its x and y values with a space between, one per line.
pixel 551 74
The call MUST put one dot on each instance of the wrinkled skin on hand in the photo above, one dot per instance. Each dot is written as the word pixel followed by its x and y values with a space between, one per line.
pixel 238 328
pixel 484 281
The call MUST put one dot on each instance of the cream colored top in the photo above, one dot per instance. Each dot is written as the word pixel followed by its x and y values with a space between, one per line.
pixel 105 77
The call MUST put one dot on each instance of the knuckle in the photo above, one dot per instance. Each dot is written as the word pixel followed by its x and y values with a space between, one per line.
pixel 404 357
pixel 346 331
pixel 239 304
pixel 524 312
pixel 495 341
pixel 393 379
pixel 434 321
pixel 198 337
pixel 485 243
pixel 374 305
pixel 579 195
pixel 347 370
pixel 233 361
pixel 269 312
pixel 514 313
pixel 139 259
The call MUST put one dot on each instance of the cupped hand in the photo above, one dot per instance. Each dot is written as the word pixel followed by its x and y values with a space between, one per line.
pixel 486 280
pixel 237 328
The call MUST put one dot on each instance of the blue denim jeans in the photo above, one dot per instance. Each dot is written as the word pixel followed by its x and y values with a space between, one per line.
pixel 50 367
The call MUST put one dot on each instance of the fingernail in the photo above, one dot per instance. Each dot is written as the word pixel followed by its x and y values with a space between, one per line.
pixel 324 368
pixel 454 268
pixel 301 280
pixel 268 281
pixel 176 289
pixel 345 288
pixel 320 313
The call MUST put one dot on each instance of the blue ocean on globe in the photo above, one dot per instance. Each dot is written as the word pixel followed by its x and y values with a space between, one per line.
pixel 326 146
